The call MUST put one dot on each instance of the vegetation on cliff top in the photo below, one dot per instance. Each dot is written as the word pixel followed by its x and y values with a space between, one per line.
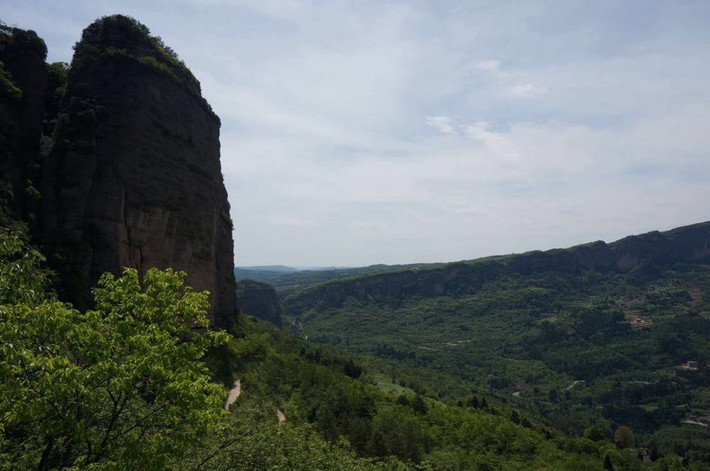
pixel 123 37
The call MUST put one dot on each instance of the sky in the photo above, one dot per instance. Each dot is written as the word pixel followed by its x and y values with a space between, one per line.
pixel 361 132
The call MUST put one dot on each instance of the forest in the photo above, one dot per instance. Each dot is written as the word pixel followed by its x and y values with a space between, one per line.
pixel 572 350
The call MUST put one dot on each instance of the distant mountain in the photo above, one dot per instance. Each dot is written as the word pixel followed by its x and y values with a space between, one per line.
pixel 639 253
pixel 286 282
pixel 269 268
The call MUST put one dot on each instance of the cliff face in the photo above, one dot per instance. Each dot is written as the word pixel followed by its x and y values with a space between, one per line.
pixel 259 300
pixel 690 244
pixel 23 88
pixel 134 177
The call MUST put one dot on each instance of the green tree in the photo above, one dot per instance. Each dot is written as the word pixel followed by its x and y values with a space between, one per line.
pixel 594 433
pixel 120 387
pixel 22 279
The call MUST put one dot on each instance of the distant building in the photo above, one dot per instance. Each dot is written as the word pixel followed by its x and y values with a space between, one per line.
pixel 692 364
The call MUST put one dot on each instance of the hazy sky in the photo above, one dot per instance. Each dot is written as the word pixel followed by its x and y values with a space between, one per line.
pixel 360 132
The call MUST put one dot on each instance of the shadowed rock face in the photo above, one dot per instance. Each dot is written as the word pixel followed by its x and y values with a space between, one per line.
pixel 23 88
pixel 259 300
pixel 134 177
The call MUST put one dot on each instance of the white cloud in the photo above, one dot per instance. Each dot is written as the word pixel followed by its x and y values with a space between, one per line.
pixel 511 83
pixel 442 124
pixel 489 65
pixel 523 90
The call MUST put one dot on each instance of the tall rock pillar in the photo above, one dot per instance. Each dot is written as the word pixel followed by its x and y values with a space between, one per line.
pixel 134 177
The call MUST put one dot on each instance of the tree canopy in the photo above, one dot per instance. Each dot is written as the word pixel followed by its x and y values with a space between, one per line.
pixel 121 386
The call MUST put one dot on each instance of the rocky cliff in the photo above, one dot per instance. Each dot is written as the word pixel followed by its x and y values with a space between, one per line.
pixel 23 91
pixel 648 253
pixel 130 176
pixel 259 300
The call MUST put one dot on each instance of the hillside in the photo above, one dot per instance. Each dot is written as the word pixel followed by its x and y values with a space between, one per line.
pixel 127 190
pixel 595 334
pixel 636 254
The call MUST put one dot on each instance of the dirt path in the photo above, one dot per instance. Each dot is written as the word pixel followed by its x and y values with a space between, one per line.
pixel 280 415
pixel 575 383
pixel 233 394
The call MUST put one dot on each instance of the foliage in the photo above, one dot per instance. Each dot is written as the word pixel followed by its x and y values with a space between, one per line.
pixel 7 86
pixel 124 386
pixel 258 442
pixel 22 279
pixel 384 423
pixel 137 45
pixel 118 387
pixel 15 43
pixel 561 347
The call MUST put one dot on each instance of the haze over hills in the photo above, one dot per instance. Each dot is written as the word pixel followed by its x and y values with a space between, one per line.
pixel 269 268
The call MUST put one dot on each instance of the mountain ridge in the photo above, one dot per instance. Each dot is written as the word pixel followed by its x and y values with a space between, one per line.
pixel 635 252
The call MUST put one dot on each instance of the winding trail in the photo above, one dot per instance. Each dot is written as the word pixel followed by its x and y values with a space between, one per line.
pixel 233 394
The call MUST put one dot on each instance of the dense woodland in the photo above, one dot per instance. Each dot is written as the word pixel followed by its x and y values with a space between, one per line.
pixel 574 351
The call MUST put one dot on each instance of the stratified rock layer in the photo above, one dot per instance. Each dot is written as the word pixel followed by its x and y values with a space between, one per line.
pixel 134 177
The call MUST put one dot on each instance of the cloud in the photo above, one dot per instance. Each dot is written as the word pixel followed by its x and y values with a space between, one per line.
pixel 511 83
pixel 523 90
pixel 489 65
pixel 442 124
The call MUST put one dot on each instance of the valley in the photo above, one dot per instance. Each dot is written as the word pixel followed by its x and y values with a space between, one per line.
pixel 581 347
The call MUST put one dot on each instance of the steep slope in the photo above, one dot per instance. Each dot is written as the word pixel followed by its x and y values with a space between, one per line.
pixel 134 177
pixel 259 300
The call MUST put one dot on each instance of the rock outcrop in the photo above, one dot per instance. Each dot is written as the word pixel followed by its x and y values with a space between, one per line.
pixel 133 178
pixel 642 253
pixel 23 90
pixel 259 300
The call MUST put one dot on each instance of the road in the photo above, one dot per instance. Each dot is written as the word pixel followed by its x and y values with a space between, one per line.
pixel 233 394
